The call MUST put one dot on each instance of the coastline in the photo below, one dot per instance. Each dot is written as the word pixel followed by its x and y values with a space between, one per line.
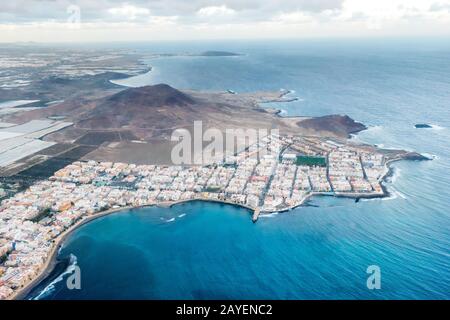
pixel 51 262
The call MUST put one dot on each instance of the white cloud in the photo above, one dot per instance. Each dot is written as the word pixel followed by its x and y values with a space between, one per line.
pixel 293 17
pixel 164 20
pixel 215 11
pixel 24 20
pixel 395 10
pixel 129 11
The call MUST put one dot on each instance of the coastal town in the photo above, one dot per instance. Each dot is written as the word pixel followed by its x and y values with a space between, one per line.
pixel 275 174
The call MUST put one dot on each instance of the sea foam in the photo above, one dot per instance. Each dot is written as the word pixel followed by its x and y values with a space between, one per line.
pixel 52 285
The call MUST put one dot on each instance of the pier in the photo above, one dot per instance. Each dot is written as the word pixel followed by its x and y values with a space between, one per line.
pixel 256 214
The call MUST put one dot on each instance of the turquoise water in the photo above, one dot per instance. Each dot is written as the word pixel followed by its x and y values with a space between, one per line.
pixel 320 251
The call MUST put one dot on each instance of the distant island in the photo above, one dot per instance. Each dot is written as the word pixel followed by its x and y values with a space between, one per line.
pixel 423 126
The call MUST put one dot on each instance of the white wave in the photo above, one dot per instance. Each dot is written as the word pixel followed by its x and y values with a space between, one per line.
pixel 52 286
pixel 436 127
pixel 371 199
pixel 283 112
pixel 397 173
pixel 291 94
pixel 374 135
pixel 392 196
pixel 401 195
pixel 431 156
pixel 375 128
pixel 170 220
pixel 369 133
pixel 269 215
pixel 182 215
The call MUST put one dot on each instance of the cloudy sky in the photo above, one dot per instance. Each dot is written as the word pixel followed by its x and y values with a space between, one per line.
pixel 136 20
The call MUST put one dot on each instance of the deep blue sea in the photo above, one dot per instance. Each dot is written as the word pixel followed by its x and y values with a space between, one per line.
pixel 321 251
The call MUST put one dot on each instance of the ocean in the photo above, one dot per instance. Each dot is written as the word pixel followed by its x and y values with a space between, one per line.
pixel 203 250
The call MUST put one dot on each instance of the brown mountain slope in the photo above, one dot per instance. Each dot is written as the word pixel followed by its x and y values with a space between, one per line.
pixel 147 107
pixel 154 112
pixel 337 124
